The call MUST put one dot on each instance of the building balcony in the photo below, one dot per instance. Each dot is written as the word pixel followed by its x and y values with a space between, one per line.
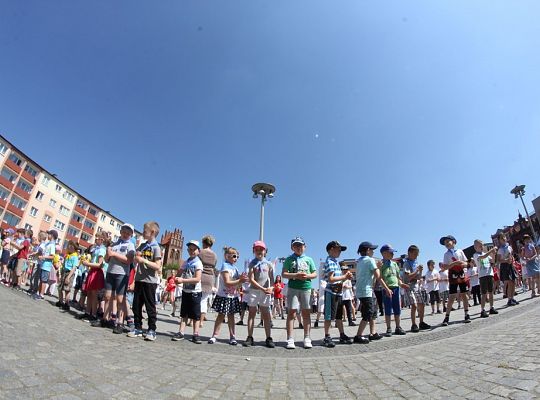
pixel 5 225
pixel 12 166
pixel 22 193
pixel 14 210
pixel 72 238
pixel 29 178
pixel 91 217
pixel 88 230
pixel 85 244
pixel 76 224
pixel 3 203
pixel 6 183
pixel 80 210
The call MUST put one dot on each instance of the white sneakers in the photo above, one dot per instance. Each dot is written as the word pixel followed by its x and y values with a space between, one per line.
pixel 290 344
pixel 307 343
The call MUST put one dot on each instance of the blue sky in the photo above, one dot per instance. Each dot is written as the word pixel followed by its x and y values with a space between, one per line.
pixel 383 121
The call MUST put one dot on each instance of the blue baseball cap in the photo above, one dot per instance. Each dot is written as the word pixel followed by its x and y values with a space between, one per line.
pixel 366 245
pixel 298 240
pixel 387 247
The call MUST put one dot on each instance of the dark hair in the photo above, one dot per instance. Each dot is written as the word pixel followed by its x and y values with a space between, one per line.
pixel 413 247
pixel 431 262
pixel 501 236
pixel 363 251
pixel 278 276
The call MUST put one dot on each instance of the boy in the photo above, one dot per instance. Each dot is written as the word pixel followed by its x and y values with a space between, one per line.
pixel 148 261
pixel 472 275
pixel 69 270
pixel 412 273
pixel 443 286
pixel 299 269
pixel 46 259
pixel 119 258
pixel 432 287
pixel 507 271
pixel 261 279
pixel 482 261
pixel 333 307
pixel 454 262
pixel 25 236
pixel 189 275
pixel 366 270
pixel 392 304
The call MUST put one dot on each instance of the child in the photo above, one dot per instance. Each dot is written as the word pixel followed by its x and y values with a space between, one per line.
pixel 412 273
pixel 432 287
pixel 506 269
pixel 6 253
pixel 472 274
pixel 333 301
pixel 226 302
pixel 95 280
pixel 299 269
pixel 46 259
pixel 278 298
pixel 168 293
pixel 25 236
pixel 443 286
pixel 532 266
pixel 261 278
pixel 455 262
pixel 68 273
pixel 189 275
pixel 392 304
pixel 366 270
pixel 482 260
pixel 148 266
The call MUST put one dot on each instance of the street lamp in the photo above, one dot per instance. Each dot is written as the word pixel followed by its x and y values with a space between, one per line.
pixel 519 191
pixel 264 191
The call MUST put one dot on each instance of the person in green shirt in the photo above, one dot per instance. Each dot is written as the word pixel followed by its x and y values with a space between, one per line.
pixel 299 269
pixel 390 274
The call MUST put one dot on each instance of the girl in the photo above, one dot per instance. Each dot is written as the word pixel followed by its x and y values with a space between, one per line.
pixel 95 280
pixel 226 301
pixel 278 297
pixel 530 256
pixel 6 254
pixel 168 293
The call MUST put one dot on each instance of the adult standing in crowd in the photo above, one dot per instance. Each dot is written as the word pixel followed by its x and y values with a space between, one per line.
pixel 208 281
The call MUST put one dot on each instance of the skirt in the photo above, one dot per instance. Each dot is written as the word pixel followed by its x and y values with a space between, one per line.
pixel 226 305
pixel 533 268
pixel 95 280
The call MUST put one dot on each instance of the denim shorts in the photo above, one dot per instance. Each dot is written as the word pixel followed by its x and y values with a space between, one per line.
pixel 44 277
pixel 392 305
pixel 116 283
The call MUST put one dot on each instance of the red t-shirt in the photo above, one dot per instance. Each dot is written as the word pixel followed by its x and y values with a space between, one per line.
pixel 131 276
pixel 277 290
pixel 23 253
pixel 171 285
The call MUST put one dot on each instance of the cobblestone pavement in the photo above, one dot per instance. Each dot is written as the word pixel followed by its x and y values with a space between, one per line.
pixel 47 353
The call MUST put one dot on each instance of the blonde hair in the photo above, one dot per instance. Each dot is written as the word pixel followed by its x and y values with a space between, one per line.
pixel 152 225
pixel 42 236
pixel 229 250
pixel 208 240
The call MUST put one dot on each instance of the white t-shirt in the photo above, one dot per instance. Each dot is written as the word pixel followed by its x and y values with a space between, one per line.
pixel 189 268
pixel 483 265
pixel 443 281
pixel 505 253
pixel 347 292
pixel 472 274
pixel 432 276
pixel 234 274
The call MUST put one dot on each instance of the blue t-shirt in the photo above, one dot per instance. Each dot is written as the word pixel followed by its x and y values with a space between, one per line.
pixel 331 265
pixel 49 250
pixel 71 261
pixel 365 271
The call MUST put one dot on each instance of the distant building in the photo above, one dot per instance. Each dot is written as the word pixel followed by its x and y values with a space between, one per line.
pixel 33 198
pixel 172 244
pixel 516 231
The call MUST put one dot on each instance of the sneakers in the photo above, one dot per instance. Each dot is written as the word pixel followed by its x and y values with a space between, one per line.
pixel 492 311
pixel 439 312
pixel 300 326
pixel 65 307
pixel 99 323
pixel 352 323
pixel 58 304
pixel 135 333
pixel 467 318
pixel 328 342
pixel 290 344
pixel 269 343
pixel 233 342
pixel 361 339
pixel 414 328
pixel 37 296
pixel 316 324
pixel 445 321
pixel 118 330
pixel 344 339
pixel 150 335
pixel 399 331
pixel 260 325
pixel 307 343
pixel 240 322
pixel 212 340
pixel 248 342
pixel 375 336
pixel 423 326
pixel 177 336
pixel 514 302
pixel 389 332
pixel 196 339
pixel 510 303
pixel 484 314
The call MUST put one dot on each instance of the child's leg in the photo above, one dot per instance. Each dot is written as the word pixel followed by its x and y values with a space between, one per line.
pixel 138 301
pixel 230 322
pixel 306 317
pixel 183 323
pixel 465 298
pixel 291 316
pixel 252 313
pixel 451 299
pixel 267 318
pixel 413 313
pixel 372 330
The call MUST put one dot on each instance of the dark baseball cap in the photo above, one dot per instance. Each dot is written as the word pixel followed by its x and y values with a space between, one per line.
pixel 298 240
pixel 366 245
pixel 450 237
pixel 335 243
pixel 53 233
pixel 387 247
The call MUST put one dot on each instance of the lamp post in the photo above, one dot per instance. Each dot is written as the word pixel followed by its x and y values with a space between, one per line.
pixel 519 191
pixel 264 191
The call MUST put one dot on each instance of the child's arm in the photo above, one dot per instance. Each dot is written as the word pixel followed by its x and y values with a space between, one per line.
pixel 195 279
pixel 382 282
pixel 237 282
pixel 155 265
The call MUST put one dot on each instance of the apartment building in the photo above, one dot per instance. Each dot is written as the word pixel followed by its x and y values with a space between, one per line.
pixel 31 197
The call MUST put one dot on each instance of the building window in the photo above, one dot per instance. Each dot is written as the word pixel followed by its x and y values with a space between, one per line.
pixel 45 181
pixel 92 211
pixel 52 203
pixel 59 225
pixel 64 211
pixel 68 196
pixel 77 217
pixel 116 237
pixel 27 227
pixel 30 170
pixel 85 237
pixel 102 218
pixel 47 218
pixel 58 188
pixel 3 193
pixel 18 202
pixel 82 204
pixel 33 211
pixel 3 148
pixel 89 224
pixel 10 176
pixel 112 222
pixel 72 231
pixel 25 186
pixel 39 196
pixel 11 219
pixel 99 229
pixel 118 226
pixel 16 159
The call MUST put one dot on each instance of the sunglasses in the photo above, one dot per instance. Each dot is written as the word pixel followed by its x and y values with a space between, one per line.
pixel 233 255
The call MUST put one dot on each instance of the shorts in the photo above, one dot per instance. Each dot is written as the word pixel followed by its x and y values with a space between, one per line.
pixel 129 297
pixel 444 295
pixel 368 308
pixel 258 298
pixel 434 297
pixel 204 301
pixel 333 307
pixel 320 306
pixel 5 257
pixel 507 272
pixel 79 282
pixel 454 288
pixel 191 305
pixel 392 305
pixel 486 284
pixel 414 297
pixel 21 266
pixel 66 281
pixel 44 276
pixel 533 268
pixel 298 299
pixel 116 283
pixel 226 305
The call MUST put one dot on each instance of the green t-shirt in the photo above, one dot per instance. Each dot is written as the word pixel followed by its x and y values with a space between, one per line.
pixel 390 273
pixel 302 263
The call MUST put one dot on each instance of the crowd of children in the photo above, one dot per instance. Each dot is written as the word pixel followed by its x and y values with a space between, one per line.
pixel 116 280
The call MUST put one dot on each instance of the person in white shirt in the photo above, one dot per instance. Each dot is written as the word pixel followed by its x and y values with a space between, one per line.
pixel 432 287
pixel 472 275
pixel 505 258
pixel 482 260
